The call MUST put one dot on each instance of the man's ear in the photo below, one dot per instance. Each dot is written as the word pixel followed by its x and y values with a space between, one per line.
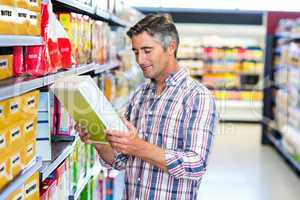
pixel 172 48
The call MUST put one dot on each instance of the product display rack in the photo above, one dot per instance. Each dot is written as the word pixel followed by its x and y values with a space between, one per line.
pixel 92 11
pixel 19 40
pixel 271 134
pixel 16 86
pixel 34 166
pixel 85 179
pixel 60 151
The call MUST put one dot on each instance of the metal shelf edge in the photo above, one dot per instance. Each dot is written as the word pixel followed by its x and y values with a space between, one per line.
pixel 19 40
pixel 283 152
pixel 49 166
pixel 33 167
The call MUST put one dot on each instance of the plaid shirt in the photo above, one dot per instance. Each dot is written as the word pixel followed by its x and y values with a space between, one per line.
pixel 182 122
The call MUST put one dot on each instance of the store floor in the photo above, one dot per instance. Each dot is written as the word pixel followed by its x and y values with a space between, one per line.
pixel 241 168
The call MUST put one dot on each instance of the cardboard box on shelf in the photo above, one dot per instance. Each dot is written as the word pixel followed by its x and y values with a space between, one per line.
pixel 16 134
pixel 4 140
pixel 31 187
pixel 31 102
pixel 18 194
pixel 6 66
pixel 3 110
pixel 16 162
pixel 15 108
pixel 5 171
pixel 28 152
pixel 29 128
pixel 8 21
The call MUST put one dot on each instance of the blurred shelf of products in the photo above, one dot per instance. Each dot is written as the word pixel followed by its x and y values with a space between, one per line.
pixel 51 40
pixel 230 65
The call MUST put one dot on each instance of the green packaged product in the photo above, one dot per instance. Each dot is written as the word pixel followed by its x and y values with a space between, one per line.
pixel 88 106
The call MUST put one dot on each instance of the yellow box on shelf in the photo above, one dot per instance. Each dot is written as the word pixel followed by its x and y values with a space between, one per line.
pixel 15 108
pixel 7 18
pixel 4 140
pixel 16 161
pixel 3 110
pixel 28 152
pixel 31 187
pixel 5 66
pixel 18 194
pixel 16 135
pixel 29 128
pixel 5 171
pixel 30 102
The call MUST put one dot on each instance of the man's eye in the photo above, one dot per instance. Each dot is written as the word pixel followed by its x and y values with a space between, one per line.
pixel 147 51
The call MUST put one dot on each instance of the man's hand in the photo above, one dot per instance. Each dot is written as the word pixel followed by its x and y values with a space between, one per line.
pixel 83 134
pixel 127 143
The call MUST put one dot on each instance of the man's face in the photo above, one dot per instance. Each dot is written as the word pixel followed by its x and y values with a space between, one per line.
pixel 150 55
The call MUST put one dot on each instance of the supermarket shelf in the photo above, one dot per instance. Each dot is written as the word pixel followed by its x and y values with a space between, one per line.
pixel 34 166
pixel 60 151
pixel 283 152
pixel 239 110
pixel 93 12
pixel 114 20
pixel 105 67
pixel 19 40
pixel 16 86
pixel 75 6
pixel 85 179
pixel 288 36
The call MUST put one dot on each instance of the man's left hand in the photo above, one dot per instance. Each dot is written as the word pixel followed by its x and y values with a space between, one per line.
pixel 127 143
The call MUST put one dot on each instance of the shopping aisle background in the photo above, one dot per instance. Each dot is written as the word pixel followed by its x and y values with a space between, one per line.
pixel 241 168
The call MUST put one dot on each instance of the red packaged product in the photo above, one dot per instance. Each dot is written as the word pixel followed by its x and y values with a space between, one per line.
pixel 53 55
pixel 35 63
pixel 65 49
pixel 18 61
pixel 44 20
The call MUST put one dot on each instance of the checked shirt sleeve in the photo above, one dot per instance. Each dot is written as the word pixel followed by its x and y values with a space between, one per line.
pixel 199 128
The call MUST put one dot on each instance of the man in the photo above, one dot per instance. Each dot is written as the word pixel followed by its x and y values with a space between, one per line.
pixel 171 121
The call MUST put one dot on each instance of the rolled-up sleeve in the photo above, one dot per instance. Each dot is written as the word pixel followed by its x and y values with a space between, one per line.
pixel 199 128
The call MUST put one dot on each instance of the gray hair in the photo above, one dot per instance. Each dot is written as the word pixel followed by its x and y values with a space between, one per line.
pixel 160 26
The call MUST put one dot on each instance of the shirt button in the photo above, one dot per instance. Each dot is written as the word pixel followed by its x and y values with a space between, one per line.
pixel 150 113
pixel 139 179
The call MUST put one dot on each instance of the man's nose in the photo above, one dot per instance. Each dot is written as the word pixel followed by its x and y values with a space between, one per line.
pixel 140 58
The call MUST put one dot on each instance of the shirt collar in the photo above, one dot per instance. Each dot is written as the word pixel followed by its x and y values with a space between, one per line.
pixel 176 77
pixel 172 79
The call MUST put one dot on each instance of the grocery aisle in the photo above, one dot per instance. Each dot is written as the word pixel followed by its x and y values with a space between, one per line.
pixel 241 168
